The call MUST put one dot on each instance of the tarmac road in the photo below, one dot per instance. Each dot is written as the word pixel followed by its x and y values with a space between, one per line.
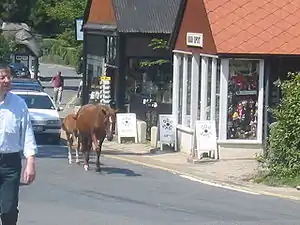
pixel 127 194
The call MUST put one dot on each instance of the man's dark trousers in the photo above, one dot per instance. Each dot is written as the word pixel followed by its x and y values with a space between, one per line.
pixel 10 172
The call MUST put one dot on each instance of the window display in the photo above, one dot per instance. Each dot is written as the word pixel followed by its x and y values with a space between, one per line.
pixel 242 99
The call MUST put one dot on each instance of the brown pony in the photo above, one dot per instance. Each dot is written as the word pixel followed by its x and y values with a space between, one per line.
pixel 94 123
pixel 69 127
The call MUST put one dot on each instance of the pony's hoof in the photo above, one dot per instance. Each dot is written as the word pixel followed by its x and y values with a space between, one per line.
pixel 86 167
pixel 98 169
pixel 77 161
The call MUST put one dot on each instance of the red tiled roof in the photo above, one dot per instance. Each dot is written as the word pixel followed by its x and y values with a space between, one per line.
pixel 255 26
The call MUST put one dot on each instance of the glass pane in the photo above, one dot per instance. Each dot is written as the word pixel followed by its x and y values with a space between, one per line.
pixel 242 99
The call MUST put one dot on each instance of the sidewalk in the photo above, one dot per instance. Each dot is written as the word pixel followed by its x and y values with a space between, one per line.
pixel 229 173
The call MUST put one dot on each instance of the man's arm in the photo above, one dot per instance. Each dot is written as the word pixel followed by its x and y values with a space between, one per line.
pixel 29 143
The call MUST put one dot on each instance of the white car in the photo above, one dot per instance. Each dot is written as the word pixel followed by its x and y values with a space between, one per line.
pixel 43 113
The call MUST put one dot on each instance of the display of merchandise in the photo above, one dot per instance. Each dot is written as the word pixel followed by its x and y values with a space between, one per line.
pixel 242 106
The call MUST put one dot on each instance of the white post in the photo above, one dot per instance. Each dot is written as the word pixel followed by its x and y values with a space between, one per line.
pixel 223 99
pixel 175 89
pixel 194 89
pixel 184 89
pixel 260 107
pixel 204 78
pixel 213 90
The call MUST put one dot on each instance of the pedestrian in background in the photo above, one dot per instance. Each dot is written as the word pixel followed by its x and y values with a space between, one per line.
pixel 16 135
pixel 58 84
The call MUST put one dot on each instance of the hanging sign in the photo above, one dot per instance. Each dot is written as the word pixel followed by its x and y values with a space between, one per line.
pixel 126 125
pixel 206 136
pixel 166 129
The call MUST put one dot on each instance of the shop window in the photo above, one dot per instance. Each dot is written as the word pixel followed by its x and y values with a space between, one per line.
pixel 149 81
pixel 242 99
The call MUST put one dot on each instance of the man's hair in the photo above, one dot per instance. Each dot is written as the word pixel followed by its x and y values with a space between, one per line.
pixel 5 66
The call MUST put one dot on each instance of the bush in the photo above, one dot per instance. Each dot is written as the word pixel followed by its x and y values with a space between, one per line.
pixel 59 49
pixel 283 159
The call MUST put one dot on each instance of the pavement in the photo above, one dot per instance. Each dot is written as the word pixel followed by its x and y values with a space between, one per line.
pixel 125 193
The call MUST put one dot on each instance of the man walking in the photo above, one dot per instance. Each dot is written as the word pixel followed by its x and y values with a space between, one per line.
pixel 58 85
pixel 16 135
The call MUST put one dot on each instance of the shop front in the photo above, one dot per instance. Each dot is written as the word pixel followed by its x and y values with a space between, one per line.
pixel 227 90
pixel 222 72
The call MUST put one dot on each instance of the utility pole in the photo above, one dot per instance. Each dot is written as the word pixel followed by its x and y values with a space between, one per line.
pixel 85 94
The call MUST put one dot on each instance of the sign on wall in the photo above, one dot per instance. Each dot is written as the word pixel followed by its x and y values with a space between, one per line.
pixel 79 29
pixel 194 39
pixel 206 136
pixel 126 126
pixel 166 129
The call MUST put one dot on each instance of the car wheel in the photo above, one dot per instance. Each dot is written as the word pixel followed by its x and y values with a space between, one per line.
pixel 55 140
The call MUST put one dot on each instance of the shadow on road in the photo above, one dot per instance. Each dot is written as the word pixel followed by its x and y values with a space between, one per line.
pixel 61 152
pixel 122 171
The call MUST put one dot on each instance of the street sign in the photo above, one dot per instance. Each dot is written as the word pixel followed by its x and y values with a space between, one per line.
pixel 126 126
pixel 166 129
pixel 206 136
pixel 79 29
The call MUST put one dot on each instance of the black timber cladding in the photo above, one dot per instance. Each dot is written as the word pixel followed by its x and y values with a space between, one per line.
pixel 146 16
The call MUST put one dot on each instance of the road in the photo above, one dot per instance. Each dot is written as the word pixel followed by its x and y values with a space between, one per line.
pixel 71 85
pixel 126 194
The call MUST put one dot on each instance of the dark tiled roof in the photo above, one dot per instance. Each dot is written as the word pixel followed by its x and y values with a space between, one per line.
pixel 146 16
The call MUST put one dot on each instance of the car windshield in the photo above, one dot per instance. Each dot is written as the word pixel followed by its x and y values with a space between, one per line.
pixel 37 101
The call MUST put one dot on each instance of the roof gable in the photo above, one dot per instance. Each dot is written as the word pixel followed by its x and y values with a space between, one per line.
pixel 101 12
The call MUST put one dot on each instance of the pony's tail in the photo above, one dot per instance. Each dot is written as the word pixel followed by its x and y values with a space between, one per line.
pixel 75 115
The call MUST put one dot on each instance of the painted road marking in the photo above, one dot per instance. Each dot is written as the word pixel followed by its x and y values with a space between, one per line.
pixel 186 176
pixel 232 188
pixel 236 188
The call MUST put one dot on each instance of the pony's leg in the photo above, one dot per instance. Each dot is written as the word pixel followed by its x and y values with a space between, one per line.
pixel 98 167
pixel 77 150
pixel 69 148
pixel 87 150
pixel 94 141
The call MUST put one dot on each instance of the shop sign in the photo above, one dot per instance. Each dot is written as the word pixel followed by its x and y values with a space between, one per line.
pixel 126 125
pixel 166 129
pixel 194 39
pixel 206 136
pixel 105 78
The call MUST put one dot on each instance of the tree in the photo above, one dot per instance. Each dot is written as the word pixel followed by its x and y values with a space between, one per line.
pixel 16 10
pixel 282 160
pixel 156 44
pixel 5 49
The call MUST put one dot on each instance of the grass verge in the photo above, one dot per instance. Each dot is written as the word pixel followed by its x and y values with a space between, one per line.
pixel 275 181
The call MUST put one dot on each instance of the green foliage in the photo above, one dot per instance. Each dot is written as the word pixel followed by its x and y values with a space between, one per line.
pixel 4 50
pixel 61 52
pixel 283 159
pixel 51 18
pixel 15 10
pixel 156 44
